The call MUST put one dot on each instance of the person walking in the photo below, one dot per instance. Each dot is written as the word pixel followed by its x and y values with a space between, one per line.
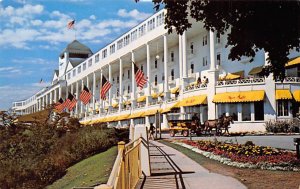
pixel 151 131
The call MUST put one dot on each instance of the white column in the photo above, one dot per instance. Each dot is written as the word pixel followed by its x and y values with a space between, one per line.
pixel 133 83
pixel 166 86
pixel 100 100
pixel 110 90
pixel 252 111
pixel 55 95
pixel 67 91
pixel 51 98
pixel 94 90
pixel 72 92
pixel 77 96
pixel 59 92
pixel 180 57
pixel 77 92
pixel 212 50
pixel 148 92
pixel 121 85
pixel 184 63
pixel 88 104
pixel 239 109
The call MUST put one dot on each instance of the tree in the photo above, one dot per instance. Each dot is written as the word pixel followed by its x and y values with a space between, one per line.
pixel 273 26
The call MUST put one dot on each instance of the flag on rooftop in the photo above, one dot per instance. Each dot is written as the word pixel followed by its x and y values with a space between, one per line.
pixel 71 102
pixel 71 24
pixel 139 77
pixel 60 105
pixel 85 95
pixel 105 87
pixel 41 81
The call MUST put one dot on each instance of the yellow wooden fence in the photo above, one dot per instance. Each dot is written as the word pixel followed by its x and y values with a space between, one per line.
pixel 126 171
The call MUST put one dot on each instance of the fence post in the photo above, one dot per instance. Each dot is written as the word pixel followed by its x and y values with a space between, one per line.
pixel 121 148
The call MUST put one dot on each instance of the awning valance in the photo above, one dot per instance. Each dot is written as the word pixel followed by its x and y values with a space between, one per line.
pixel 241 96
pixel 296 95
pixel 115 105
pixel 136 114
pixel 152 111
pixel 235 75
pixel 154 95
pixel 174 90
pixel 193 101
pixel 283 94
pixel 255 70
pixel 141 99
pixel 169 108
pixel 293 61
pixel 128 102
pixel 122 117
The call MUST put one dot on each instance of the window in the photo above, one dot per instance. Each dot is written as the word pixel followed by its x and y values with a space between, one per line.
pixel 155 63
pixel 218 36
pixel 120 44
pixel 155 80
pixel 192 68
pixel 172 74
pixel 163 58
pixel 128 74
pixel 163 77
pixel 160 19
pixel 246 112
pixel 97 58
pixel 151 24
pixel 128 89
pixel 118 92
pixel 233 111
pixel 192 48
pixel 123 76
pixel 74 72
pixel 172 56
pixel 112 49
pixel 259 111
pixel 133 35
pixel 282 108
pixel 79 69
pixel 90 62
pixel 205 61
pixel 113 79
pixel 69 75
pixel 84 66
pixel 142 68
pixel 204 40
pixel 118 79
pixel 104 53
pixel 221 109
pixel 126 40
pixel 218 58
pixel 142 30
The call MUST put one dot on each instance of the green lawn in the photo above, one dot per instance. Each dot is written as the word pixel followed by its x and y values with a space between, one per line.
pixel 89 172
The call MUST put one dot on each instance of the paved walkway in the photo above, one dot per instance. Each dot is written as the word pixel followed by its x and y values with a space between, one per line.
pixel 172 169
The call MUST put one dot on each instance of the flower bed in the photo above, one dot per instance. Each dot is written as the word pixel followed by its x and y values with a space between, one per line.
pixel 245 155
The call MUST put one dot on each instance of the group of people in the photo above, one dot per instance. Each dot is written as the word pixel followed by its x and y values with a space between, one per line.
pixel 204 81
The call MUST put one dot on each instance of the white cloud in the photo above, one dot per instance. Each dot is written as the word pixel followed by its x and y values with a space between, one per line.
pixel 135 14
pixel 25 11
pixel 39 61
pixel 36 22
pixel 18 38
pixel 93 17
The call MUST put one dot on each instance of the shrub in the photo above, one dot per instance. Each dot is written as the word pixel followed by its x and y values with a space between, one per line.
pixel 282 126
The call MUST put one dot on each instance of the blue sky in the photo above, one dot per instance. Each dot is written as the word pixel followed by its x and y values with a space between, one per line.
pixel 34 32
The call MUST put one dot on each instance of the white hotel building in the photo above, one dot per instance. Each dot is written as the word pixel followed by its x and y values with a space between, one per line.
pixel 172 63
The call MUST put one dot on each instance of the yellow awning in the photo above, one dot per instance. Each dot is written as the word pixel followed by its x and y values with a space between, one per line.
pixel 241 96
pixel 169 108
pixel 106 108
pixel 154 95
pixel 174 90
pixel 161 94
pixel 192 101
pixel 296 95
pixel 283 94
pixel 141 99
pixel 151 112
pixel 293 61
pixel 136 115
pixel 115 105
pixel 255 70
pixel 122 117
pixel 235 75
pixel 127 102
pixel 110 118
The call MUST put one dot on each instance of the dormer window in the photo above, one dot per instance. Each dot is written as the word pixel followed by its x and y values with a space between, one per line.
pixel 172 56
pixel 155 63
pixel 192 48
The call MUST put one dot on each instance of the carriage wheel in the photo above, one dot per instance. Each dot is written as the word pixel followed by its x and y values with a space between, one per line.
pixel 172 133
pixel 185 133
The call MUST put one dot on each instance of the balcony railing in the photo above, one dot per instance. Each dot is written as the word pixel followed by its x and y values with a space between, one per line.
pixel 195 87
pixel 291 80
pixel 259 80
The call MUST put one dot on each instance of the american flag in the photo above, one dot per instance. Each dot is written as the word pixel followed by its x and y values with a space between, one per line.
pixel 105 87
pixel 71 102
pixel 71 24
pixel 139 77
pixel 85 95
pixel 60 105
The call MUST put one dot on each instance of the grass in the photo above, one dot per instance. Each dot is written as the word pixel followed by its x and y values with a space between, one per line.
pixel 89 172
pixel 252 178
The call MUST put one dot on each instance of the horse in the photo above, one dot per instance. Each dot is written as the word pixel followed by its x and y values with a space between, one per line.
pixel 210 124
pixel 226 121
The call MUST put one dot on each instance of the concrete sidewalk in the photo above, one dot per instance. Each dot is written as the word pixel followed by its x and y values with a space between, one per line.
pixel 172 169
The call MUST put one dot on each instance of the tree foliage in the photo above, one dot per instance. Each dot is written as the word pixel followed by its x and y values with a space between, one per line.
pixel 272 26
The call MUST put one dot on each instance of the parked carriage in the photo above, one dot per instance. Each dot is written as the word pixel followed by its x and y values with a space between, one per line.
pixel 182 123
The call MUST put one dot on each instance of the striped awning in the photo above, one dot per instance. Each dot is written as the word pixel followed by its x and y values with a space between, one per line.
pixel 169 108
pixel 283 94
pixel 136 114
pixel 193 101
pixel 141 99
pixel 154 95
pixel 293 62
pixel 296 95
pixel 152 111
pixel 255 70
pixel 235 75
pixel 122 117
pixel 115 105
pixel 241 96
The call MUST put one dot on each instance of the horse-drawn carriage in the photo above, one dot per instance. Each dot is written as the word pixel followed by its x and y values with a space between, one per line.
pixel 188 123
pixel 184 124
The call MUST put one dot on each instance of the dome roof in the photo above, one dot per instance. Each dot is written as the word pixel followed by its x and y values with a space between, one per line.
pixel 76 48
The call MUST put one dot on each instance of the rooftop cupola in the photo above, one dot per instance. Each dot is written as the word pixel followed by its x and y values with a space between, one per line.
pixel 76 50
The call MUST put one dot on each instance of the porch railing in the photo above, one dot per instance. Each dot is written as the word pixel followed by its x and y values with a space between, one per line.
pixel 247 81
